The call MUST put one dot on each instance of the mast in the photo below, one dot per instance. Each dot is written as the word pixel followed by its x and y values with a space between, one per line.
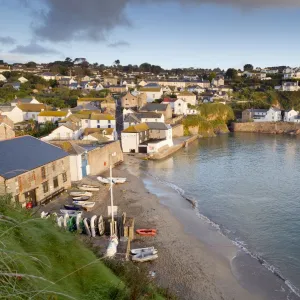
pixel 111 198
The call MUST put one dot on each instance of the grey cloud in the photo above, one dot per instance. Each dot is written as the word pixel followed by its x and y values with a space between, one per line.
pixel 118 44
pixel 33 49
pixel 93 19
pixel 7 40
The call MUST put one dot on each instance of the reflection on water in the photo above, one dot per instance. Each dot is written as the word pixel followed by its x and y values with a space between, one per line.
pixel 249 184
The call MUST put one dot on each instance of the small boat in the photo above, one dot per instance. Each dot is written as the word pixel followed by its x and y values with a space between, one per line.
pixel 81 194
pixel 143 257
pixel 71 207
pixel 78 223
pixel 45 215
pixel 71 212
pixel 112 246
pixel 101 226
pixel 86 227
pixel 114 180
pixel 93 227
pixel 84 204
pixel 60 221
pixel 146 232
pixel 143 250
pixel 90 188
pixel 83 198
pixel 66 219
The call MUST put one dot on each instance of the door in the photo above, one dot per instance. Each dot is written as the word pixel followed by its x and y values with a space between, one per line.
pixel 31 197
pixel 142 149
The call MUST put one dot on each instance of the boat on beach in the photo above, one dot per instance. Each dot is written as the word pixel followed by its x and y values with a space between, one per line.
pixel 89 188
pixel 84 198
pixel 71 212
pixel 87 227
pixel 81 194
pixel 84 204
pixel 143 250
pixel 93 225
pixel 146 232
pixel 101 226
pixel 116 180
pixel 71 207
pixel 144 256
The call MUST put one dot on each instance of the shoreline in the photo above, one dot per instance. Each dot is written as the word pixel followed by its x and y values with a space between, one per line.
pixel 188 267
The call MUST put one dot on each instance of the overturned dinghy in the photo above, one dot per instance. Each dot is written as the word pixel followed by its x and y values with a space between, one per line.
pixel 87 227
pixel 72 213
pixel 150 250
pixel 90 188
pixel 84 204
pixel 101 226
pixel 114 180
pixel 83 198
pixel 93 226
pixel 78 223
pixel 81 194
pixel 144 256
pixel 71 207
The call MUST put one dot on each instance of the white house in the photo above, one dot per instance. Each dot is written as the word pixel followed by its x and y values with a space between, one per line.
pixel 188 97
pixel 22 79
pixel 289 115
pixel 91 119
pixel 290 86
pixel 52 116
pixel 48 76
pixel 180 107
pixel 196 88
pixel 152 92
pixel 143 117
pixel 31 111
pixel 127 111
pixel 273 115
pixel 2 78
pixel 142 83
pixel 24 101
pixel 219 80
pixel 100 134
pixel 67 131
pixel 12 112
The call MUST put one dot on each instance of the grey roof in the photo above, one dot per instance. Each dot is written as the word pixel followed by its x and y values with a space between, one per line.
pixel 6 108
pixel 154 107
pixel 131 118
pixel 22 100
pixel 74 149
pixel 157 126
pixel 257 110
pixel 152 115
pixel 22 154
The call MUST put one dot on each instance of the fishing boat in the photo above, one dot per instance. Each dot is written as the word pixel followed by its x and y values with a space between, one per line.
pixel 87 227
pixel 90 188
pixel 84 204
pixel 83 198
pixel 143 250
pixel 71 207
pixel 81 194
pixel 93 225
pixel 114 180
pixel 78 223
pixel 146 232
pixel 66 219
pixel 60 221
pixel 101 227
pixel 71 212
pixel 144 256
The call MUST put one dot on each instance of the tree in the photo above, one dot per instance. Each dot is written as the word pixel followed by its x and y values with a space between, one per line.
pixel 68 59
pixel 117 62
pixel 248 67
pixel 212 75
pixel 231 73
pixel 30 64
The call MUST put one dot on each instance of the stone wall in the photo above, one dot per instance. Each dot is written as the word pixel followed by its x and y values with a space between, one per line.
pixel 267 127
pixel 99 158
pixel 6 132
pixel 177 131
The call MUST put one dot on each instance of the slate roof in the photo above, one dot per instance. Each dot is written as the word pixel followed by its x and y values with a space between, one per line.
pixel 22 154
pixel 70 147
pixel 157 126
pixel 154 107
pixel 6 108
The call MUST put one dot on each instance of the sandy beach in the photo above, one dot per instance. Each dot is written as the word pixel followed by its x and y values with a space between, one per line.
pixel 186 266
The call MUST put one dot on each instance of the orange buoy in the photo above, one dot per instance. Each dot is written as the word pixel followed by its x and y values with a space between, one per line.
pixel 146 232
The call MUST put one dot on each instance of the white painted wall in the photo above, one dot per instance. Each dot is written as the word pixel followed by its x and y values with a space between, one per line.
pixel 180 107
pixel 130 141
pixel 290 116
pixel 86 123
pixel 16 115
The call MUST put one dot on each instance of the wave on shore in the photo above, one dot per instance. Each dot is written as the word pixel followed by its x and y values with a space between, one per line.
pixel 240 244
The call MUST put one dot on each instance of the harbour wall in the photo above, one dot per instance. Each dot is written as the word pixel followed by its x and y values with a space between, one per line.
pixel 267 127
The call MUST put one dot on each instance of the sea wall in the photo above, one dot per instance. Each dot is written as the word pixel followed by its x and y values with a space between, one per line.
pixel 267 127
pixel 99 158
pixel 177 131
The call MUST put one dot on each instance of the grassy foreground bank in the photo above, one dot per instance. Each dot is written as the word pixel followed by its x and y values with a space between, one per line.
pixel 40 261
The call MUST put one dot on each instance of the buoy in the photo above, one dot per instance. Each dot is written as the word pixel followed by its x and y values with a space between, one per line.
pixel 146 232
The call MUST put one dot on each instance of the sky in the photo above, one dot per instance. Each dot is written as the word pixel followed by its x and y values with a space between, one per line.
pixel 169 33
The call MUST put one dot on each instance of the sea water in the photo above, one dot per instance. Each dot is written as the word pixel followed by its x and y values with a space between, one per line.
pixel 248 187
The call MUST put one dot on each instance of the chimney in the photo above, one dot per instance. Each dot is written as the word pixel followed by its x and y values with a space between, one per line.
pixel 42 109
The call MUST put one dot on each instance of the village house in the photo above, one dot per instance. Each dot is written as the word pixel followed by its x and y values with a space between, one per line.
pixel 289 86
pixel 291 74
pixel 31 111
pixel 289 115
pixel 142 83
pixel 110 81
pixel 14 85
pixel 146 138
pixel 65 131
pixel 48 76
pixel 130 100
pixel 107 102
pixel 33 171
pixel 204 84
pixel 6 128
pixel 100 134
pixel 4 68
pixel 137 118
pixel 188 97
pixel 94 119
pixel 196 89
pixel 218 80
pixel 164 109
pixel 118 89
pixel 273 115
pixel 2 78
pixel 255 115
pixel 79 167
pixel 14 113
pixel 153 91
pixel 24 101
pixel 52 116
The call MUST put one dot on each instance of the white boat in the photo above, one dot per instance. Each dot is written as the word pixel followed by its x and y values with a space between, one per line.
pixel 60 221
pixel 81 194
pixel 101 227
pixel 82 198
pixel 84 204
pixel 45 215
pixel 93 226
pixel 78 221
pixel 66 219
pixel 86 226
pixel 112 246
pixel 143 250
pixel 71 212
pixel 114 180
pixel 143 257
pixel 89 188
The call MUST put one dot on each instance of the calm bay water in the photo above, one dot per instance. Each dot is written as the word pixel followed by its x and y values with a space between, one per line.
pixel 249 184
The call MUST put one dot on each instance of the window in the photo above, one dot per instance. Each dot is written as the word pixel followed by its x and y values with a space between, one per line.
pixel 109 126
pixel 43 172
pixel 109 122
pixel 65 178
pixel 53 167
pixel 86 121
pixel 98 121
pixel 98 126
pixel 55 182
pixel 45 187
